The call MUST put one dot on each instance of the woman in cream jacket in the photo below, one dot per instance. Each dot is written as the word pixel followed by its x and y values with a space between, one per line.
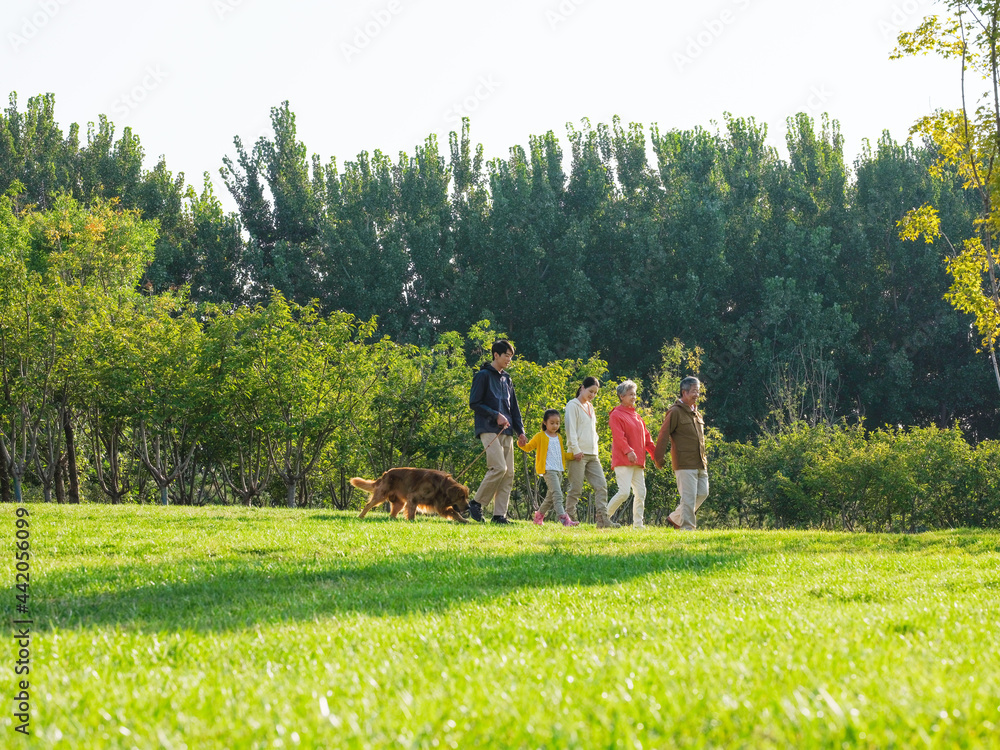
pixel 581 440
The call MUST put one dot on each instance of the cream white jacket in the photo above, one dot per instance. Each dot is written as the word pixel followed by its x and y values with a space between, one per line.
pixel 581 428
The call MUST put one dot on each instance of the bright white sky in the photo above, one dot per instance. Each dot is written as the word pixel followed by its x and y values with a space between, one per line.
pixel 188 75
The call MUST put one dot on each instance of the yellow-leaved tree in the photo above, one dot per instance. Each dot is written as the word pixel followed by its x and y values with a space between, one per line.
pixel 968 141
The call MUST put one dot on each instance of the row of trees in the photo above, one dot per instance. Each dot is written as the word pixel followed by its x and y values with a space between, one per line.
pixel 790 276
pixel 140 394
pixel 112 393
pixel 115 394
pixel 152 345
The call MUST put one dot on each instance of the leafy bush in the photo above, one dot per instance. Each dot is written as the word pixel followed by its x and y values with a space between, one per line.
pixel 847 477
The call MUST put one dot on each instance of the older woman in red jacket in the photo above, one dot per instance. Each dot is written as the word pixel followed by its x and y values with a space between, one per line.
pixel 630 442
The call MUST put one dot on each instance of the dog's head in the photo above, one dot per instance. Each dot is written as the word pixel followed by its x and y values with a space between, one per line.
pixel 458 497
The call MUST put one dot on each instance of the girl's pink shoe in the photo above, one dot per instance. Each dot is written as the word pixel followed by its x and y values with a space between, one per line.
pixel 565 520
pixel 538 518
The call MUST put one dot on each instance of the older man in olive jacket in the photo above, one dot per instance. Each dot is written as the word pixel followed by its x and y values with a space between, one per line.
pixel 684 428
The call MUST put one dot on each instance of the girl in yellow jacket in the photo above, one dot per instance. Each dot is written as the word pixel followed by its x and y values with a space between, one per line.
pixel 550 463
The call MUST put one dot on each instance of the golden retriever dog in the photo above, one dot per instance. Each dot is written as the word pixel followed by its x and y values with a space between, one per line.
pixel 428 490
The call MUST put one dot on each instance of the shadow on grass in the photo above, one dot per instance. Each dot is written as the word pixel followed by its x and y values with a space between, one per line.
pixel 330 565
pixel 216 595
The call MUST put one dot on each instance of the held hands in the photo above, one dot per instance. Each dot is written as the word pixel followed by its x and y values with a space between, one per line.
pixel 577 456
pixel 522 440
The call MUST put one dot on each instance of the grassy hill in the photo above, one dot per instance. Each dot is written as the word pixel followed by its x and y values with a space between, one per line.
pixel 220 627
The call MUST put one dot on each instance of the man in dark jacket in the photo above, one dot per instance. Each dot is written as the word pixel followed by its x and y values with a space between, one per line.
pixel 684 428
pixel 498 420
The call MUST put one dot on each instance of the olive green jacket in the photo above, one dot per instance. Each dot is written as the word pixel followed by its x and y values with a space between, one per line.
pixel 684 429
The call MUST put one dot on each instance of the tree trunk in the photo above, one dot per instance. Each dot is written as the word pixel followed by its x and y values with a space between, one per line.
pixel 59 480
pixel 290 494
pixel 5 495
pixel 996 369
pixel 164 499
pixel 74 476
pixel 18 497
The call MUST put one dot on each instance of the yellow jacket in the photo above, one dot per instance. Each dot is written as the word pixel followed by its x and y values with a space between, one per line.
pixel 540 444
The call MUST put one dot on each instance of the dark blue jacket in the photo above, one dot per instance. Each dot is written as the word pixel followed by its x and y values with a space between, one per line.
pixel 493 393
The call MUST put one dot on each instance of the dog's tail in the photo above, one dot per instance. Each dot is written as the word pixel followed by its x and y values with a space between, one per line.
pixel 363 484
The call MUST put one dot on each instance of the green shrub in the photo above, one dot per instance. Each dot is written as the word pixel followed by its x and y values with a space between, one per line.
pixel 847 477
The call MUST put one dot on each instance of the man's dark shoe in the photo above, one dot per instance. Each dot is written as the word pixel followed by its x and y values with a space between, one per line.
pixel 671 522
pixel 476 511
pixel 500 519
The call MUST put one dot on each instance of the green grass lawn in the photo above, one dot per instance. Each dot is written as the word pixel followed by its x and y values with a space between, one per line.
pixel 234 628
